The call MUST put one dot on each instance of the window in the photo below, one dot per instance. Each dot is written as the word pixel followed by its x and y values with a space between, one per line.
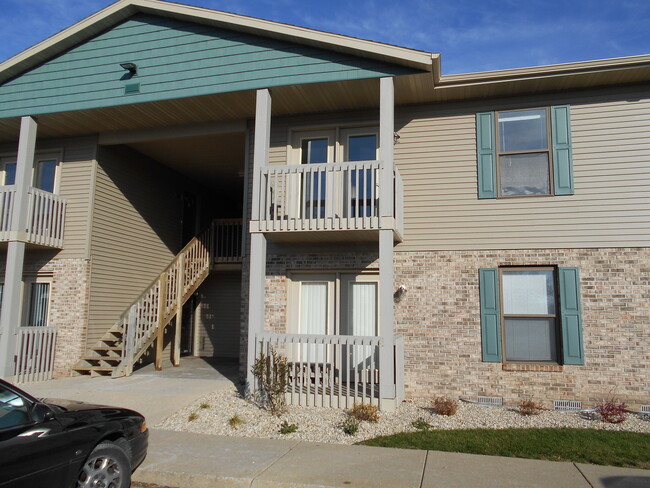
pixel 13 409
pixel 45 174
pixel 36 302
pixel 531 314
pixel 524 153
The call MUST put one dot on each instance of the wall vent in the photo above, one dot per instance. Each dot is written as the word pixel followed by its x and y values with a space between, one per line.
pixel 567 405
pixel 131 88
pixel 488 400
pixel 645 408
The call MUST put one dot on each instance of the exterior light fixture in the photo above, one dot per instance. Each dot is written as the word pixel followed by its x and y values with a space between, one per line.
pixel 130 67
pixel 395 137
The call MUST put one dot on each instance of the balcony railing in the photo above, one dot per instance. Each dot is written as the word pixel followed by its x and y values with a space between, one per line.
pixel 327 196
pixel 334 370
pixel 227 241
pixel 45 217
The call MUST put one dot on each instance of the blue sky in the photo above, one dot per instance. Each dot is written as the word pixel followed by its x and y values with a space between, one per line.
pixel 471 35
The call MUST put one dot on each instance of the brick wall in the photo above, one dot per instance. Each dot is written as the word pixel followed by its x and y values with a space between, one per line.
pixel 69 294
pixel 439 317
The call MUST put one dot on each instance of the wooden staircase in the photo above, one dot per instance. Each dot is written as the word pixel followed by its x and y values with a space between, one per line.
pixel 144 321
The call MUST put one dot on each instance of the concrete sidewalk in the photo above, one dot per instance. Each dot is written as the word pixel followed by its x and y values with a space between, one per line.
pixel 184 460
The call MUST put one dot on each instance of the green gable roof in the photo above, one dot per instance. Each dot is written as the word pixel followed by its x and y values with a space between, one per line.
pixel 175 59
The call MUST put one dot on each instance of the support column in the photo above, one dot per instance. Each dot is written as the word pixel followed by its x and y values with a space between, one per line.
pixel 387 214
pixel 11 302
pixel 386 314
pixel 257 268
pixel 386 142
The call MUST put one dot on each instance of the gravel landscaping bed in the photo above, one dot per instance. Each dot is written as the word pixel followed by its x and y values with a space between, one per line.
pixel 324 424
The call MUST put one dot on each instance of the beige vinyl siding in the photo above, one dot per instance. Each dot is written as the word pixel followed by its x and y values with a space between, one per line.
pixel 135 231
pixel 436 156
pixel 76 165
pixel 217 318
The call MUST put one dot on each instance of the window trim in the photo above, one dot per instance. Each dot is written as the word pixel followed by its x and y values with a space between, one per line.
pixel 549 151
pixel 557 316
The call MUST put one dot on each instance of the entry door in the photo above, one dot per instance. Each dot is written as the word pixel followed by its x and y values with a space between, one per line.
pixel 361 144
pixel 313 147
pixel 359 316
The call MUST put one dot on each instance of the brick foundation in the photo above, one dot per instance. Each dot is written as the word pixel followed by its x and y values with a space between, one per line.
pixel 439 318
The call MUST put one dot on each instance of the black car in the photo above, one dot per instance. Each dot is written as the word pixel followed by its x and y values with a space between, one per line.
pixel 59 443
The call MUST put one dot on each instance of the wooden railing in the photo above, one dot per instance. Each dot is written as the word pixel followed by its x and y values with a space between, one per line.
pixel 7 194
pixel 45 217
pixel 327 370
pixel 327 196
pixel 147 317
pixel 35 348
pixel 227 240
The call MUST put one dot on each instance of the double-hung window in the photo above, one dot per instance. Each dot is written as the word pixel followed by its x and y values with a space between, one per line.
pixel 531 314
pixel 45 173
pixel 524 152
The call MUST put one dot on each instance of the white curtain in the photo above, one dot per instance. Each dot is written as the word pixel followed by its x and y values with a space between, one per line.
pixel 362 316
pixel 313 316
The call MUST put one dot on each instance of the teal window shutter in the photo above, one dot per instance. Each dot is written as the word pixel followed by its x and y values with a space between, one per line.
pixel 486 155
pixel 490 318
pixel 571 315
pixel 562 154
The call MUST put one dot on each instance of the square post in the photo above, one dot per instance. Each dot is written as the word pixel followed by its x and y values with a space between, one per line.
pixel 11 297
pixel 257 271
pixel 386 314
pixel 386 142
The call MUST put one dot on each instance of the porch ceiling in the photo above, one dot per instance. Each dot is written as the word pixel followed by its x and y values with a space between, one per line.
pixel 295 99
pixel 214 160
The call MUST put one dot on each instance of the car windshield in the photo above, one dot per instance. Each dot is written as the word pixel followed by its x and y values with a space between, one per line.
pixel 13 408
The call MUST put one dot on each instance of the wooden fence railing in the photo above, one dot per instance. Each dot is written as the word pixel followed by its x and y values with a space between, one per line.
pixel 35 348
pixel 227 240
pixel 327 196
pixel 327 370
pixel 45 216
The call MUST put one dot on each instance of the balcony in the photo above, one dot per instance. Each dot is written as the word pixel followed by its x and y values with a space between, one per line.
pixel 327 197
pixel 45 218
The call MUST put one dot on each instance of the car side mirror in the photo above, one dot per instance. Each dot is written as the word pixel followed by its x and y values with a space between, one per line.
pixel 41 413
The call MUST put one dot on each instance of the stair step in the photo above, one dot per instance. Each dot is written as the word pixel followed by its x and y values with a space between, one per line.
pixel 94 368
pixel 101 358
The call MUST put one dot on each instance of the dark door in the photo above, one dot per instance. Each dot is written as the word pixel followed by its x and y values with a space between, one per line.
pixel 188 224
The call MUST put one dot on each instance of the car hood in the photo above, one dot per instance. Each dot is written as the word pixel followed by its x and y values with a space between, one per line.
pixel 77 406
pixel 72 405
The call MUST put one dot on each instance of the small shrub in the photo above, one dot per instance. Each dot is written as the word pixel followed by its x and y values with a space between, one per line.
pixel 192 417
pixel 204 405
pixel 235 421
pixel 421 424
pixel 351 426
pixel 528 406
pixel 611 412
pixel 445 406
pixel 271 372
pixel 287 428
pixel 365 412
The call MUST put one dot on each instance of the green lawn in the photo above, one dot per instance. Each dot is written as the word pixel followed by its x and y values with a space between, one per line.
pixel 575 445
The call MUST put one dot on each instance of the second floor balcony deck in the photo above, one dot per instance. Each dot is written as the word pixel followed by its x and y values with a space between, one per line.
pixel 45 218
pixel 327 197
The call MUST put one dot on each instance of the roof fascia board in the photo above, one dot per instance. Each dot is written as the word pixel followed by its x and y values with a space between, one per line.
pixel 548 71
pixel 123 9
